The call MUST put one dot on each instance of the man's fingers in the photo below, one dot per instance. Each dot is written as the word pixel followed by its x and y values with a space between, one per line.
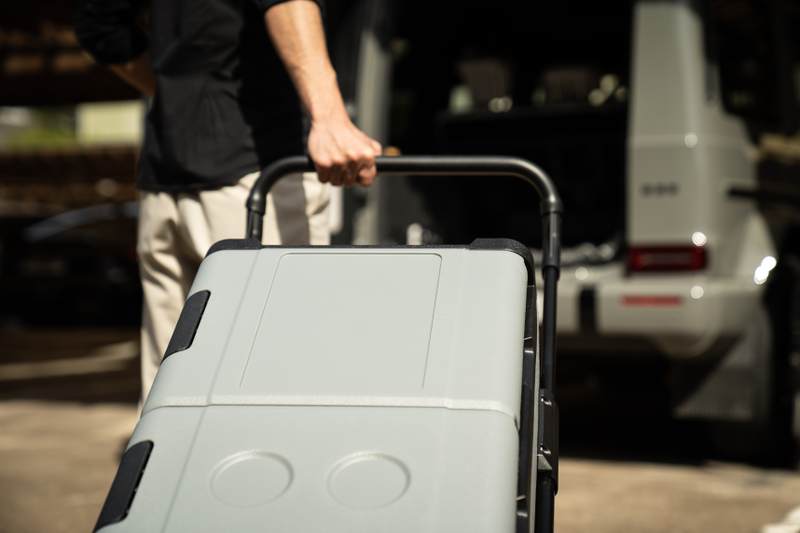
pixel 343 155
pixel 330 170
pixel 364 161
pixel 351 170
pixel 366 175
pixel 323 171
pixel 335 173
pixel 368 170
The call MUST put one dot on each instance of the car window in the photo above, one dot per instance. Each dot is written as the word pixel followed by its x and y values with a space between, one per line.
pixel 751 41
pixel 545 81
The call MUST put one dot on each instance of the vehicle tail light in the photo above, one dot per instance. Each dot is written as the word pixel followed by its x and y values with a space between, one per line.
pixel 666 258
pixel 651 301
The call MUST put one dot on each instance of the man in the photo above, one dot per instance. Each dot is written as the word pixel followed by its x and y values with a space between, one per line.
pixel 225 76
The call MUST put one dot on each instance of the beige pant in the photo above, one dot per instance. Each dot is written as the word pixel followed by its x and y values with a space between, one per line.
pixel 176 229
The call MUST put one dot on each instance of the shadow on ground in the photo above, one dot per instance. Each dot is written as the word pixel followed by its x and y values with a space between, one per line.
pixel 89 365
pixel 613 424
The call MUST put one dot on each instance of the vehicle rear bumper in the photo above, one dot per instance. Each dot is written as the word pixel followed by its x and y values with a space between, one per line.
pixel 682 315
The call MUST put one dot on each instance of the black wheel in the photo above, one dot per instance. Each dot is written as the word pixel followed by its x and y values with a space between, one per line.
pixel 794 366
pixel 783 299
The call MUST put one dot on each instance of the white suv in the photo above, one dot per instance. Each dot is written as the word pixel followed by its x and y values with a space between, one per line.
pixel 645 114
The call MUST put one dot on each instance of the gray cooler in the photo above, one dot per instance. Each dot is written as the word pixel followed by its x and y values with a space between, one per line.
pixel 311 389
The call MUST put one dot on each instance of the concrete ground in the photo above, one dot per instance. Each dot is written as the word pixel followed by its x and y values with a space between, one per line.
pixel 637 473
pixel 609 496
pixel 57 461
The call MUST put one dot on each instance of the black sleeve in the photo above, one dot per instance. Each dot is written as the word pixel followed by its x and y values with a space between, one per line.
pixel 263 5
pixel 107 30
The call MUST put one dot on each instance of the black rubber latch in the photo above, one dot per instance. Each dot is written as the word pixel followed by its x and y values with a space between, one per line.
pixel 123 489
pixel 528 404
pixel 547 454
pixel 234 244
pixel 508 245
pixel 189 321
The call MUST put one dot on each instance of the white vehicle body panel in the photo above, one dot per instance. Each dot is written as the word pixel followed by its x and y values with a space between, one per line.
pixel 684 154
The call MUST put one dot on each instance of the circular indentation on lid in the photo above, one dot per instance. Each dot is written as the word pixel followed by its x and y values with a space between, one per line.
pixel 368 480
pixel 251 479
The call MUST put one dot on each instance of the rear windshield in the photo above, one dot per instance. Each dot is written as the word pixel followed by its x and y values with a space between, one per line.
pixel 547 81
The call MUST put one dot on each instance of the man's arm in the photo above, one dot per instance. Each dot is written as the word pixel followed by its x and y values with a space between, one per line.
pixel 112 31
pixel 342 154
pixel 138 73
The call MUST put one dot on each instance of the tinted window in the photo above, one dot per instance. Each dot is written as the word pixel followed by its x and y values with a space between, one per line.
pixel 746 37
pixel 546 81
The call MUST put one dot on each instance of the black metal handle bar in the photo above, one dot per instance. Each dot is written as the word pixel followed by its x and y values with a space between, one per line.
pixel 550 209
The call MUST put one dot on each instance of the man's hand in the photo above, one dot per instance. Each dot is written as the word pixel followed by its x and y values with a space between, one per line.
pixel 342 154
